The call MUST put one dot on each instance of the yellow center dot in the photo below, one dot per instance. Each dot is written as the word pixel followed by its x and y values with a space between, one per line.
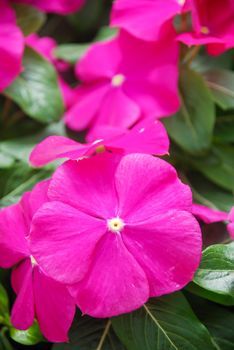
pixel 100 149
pixel 33 260
pixel 115 225
pixel 118 80
pixel 205 30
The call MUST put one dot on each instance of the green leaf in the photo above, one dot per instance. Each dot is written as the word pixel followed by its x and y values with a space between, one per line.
pixel 4 302
pixel 216 272
pixel 91 334
pixel 221 84
pixel 70 53
pixel 29 19
pixel 217 166
pixel 218 320
pixel 224 129
pixel 164 323
pixel 192 127
pixel 31 336
pixel 36 90
pixel 4 343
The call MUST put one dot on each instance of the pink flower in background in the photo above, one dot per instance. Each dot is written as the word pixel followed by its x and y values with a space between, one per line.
pixel 118 230
pixel 11 46
pixel 62 7
pixel 213 24
pixel 208 215
pixel 45 46
pixel 145 19
pixel 124 79
pixel 147 137
pixel 230 226
pixel 37 294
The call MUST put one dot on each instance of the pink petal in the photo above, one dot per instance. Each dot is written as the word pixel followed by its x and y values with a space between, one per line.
pixel 115 283
pixel 69 94
pixel 168 248
pixel 55 308
pixel 22 315
pixel 208 215
pixel 62 7
pixel 89 98
pixel 105 58
pixel 13 229
pixel 11 46
pixel 44 46
pixel 160 191
pixel 65 249
pixel 144 18
pixel 56 147
pixel 87 185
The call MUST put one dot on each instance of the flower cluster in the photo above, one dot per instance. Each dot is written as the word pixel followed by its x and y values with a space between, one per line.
pixel 114 225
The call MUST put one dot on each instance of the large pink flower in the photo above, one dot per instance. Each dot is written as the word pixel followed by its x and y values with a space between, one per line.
pixel 119 230
pixel 146 137
pixel 62 7
pixel 37 294
pixel 145 19
pixel 213 24
pixel 126 78
pixel 11 46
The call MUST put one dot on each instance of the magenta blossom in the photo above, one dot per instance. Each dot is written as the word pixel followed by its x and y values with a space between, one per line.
pixel 148 137
pixel 45 46
pixel 11 46
pixel 37 294
pixel 213 24
pixel 230 226
pixel 118 231
pixel 145 19
pixel 62 7
pixel 208 215
pixel 124 79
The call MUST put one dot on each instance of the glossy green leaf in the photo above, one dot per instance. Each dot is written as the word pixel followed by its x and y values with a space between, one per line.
pixel 31 336
pixel 70 53
pixel 221 84
pixel 164 323
pixel 192 127
pixel 29 19
pixel 91 334
pixel 218 320
pixel 216 271
pixel 224 129
pixel 36 90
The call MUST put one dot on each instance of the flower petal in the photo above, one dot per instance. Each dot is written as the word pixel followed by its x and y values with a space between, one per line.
pixel 208 215
pixel 168 248
pixel 115 283
pixel 55 308
pixel 65 248
pixel 22 315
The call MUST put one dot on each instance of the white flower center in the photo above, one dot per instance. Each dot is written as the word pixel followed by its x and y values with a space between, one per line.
pixel 118 80
pixel 181 2
pixel 115 225
pixel 205 30
pixel 33 260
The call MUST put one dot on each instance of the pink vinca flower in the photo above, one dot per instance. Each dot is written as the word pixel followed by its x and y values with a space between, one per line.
pixel 213 24
pixel 230 226
pixel 145 19
pixel 45 46
pixel 118 231
pixel 11 46
pixel 124 79
pixel 145 137
pixel 62 7
pixel 208 215
pixel 37 294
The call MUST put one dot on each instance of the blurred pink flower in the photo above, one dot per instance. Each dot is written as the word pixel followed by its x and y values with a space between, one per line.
pixel 145 19
pixel 37 294
pixel 118 230
pixel 230 226
pixel 45 46
pixel 124 79
pixel 11 46
pixel 62 7
pixel 208 215
pixel 213 24
pixel 146 137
